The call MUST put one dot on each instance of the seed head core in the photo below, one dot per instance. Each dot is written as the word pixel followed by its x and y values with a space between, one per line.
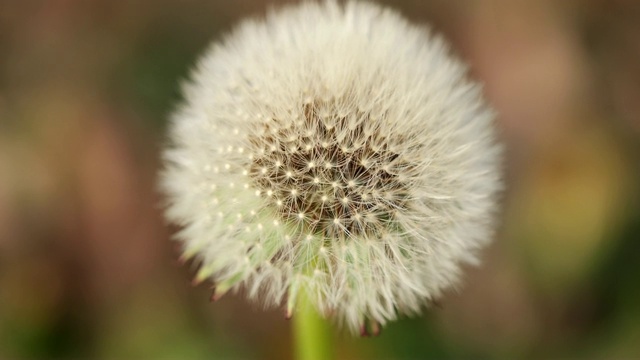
pixel 337 193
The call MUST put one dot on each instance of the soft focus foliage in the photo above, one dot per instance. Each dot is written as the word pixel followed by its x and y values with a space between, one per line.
pixel 86 265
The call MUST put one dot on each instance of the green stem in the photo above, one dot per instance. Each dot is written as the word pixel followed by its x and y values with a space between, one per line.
pixel 312 333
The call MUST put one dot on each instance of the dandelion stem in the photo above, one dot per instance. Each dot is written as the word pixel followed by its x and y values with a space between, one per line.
pixel 312 334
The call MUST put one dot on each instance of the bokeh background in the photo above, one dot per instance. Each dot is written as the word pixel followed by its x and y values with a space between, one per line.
pixel 87 268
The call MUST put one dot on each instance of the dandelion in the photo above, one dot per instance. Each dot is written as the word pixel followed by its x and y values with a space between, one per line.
pixel 334 150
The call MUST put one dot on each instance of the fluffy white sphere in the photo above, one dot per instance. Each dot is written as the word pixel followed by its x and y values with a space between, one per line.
pixel 336 149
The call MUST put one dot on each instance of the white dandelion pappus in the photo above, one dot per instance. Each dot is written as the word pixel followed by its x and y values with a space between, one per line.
pixel 336 149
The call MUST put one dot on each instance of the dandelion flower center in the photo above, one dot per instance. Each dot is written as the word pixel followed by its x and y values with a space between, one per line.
pixel 355 194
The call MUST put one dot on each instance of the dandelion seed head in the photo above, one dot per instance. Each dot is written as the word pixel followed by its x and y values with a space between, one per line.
pixel 368 162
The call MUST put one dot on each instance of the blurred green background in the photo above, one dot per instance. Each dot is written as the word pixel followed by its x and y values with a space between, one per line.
pixel 87 269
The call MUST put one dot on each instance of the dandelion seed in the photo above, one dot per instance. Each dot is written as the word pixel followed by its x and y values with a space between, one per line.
pixel 397 191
